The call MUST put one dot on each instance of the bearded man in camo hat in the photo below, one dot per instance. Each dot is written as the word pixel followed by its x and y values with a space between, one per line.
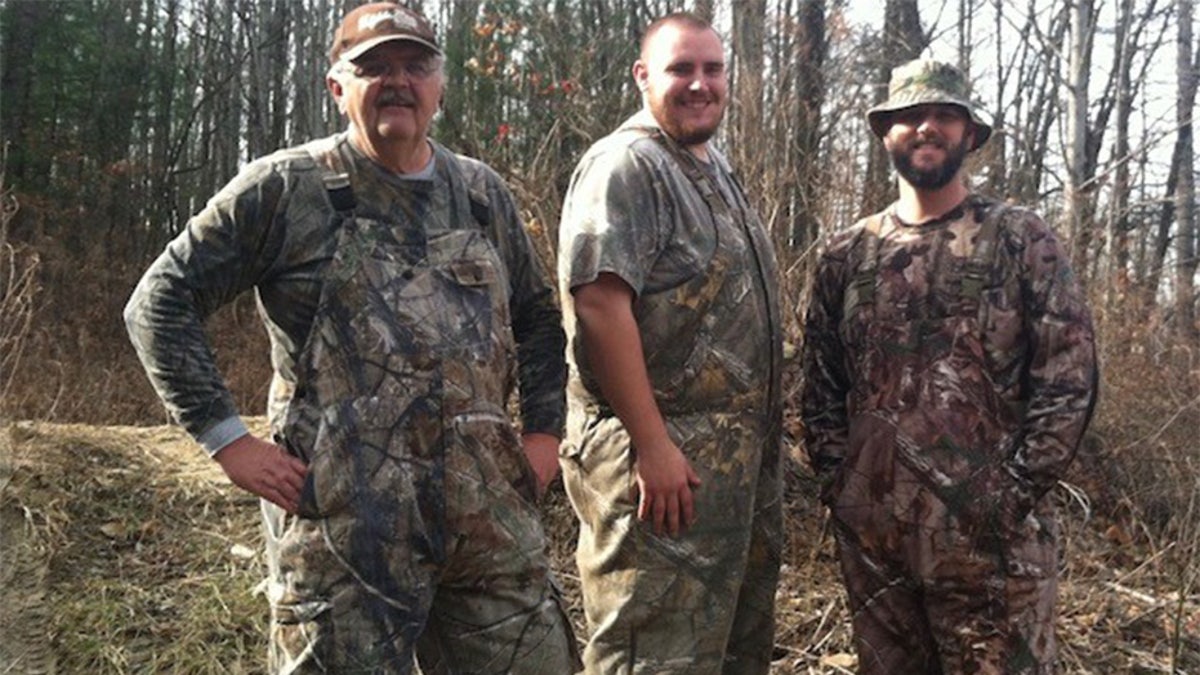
pixel 950 373
pixel 403 299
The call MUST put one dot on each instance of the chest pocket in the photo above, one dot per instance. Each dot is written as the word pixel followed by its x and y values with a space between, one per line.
pixel 451 302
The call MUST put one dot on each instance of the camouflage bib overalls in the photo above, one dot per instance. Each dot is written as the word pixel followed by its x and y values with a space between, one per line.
pixel 925 555
pixel 702 602
pixel 417 530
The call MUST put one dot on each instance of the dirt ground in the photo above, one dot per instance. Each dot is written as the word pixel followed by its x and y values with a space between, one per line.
pixel 125 550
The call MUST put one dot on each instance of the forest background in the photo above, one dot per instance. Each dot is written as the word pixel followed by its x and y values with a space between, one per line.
pixel 120 118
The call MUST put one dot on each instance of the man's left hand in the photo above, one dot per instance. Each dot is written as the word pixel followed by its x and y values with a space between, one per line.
pixel 542 452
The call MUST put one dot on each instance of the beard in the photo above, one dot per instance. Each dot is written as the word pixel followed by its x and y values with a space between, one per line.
pixel 685 132
pixel 934 178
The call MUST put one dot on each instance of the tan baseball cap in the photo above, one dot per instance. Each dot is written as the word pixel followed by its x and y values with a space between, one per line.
pixel 371 25
pixel 924 82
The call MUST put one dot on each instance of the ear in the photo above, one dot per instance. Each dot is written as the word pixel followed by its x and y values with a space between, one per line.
pixel 336 91
pixel 641 75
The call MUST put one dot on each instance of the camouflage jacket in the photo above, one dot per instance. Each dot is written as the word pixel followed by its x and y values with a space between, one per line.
pixel 701 267
pixel 272 229
pixel 958 392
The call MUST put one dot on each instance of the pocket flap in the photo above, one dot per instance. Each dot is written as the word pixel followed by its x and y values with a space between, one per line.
pixel 473 272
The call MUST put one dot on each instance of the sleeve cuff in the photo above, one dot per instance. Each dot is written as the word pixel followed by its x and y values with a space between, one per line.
pixel 222 434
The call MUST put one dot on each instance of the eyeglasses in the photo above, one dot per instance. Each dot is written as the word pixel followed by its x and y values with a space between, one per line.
pixel 415 70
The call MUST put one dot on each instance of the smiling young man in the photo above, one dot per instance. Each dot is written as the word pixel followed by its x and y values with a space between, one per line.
pixel 398 501
pixel 949 375
pixel 672 455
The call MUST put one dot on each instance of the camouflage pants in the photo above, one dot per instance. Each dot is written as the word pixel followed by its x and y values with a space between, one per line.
pixel 345 602
pixel 930 602
pixel 700 603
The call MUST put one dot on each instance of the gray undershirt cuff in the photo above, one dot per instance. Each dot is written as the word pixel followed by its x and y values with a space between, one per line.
pixel 222 434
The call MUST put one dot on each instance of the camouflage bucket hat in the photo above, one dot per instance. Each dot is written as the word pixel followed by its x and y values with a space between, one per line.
pixel 922 82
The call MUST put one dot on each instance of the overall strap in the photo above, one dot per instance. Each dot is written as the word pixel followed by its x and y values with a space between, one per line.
pixel 687 163
pixel 978 267
pixel 861 290
pixel 334 176
pixel 466 201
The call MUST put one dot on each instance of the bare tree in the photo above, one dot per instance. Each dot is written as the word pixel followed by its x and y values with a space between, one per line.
pixel 1083 24
pixel 1118 210
pixel 1185 195
pixel 809 65
pixel 747 140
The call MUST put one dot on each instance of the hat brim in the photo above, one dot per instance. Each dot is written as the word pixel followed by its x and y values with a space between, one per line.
pixel 879 117
pixel 358 50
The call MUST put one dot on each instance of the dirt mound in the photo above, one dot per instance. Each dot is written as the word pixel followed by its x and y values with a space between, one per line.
pixel 125 550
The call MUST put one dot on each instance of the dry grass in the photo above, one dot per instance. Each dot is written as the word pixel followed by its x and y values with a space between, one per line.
pixel 149 555
pixel 144 559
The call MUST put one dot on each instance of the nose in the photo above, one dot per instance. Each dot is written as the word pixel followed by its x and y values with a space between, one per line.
pixel 696 84
pixel 394 77
pixel 927 123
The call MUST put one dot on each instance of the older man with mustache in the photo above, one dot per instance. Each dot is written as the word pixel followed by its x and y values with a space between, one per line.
pixel 402 298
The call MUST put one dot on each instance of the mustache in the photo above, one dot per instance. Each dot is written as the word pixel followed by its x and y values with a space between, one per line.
pixel 395 97
pixel 935 142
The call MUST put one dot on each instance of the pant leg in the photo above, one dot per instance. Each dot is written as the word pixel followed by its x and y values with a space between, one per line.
pixel 657 604
pixel 324 618
pixel 891 631
pixel 497 609
pixel 992 611
pixel 752 637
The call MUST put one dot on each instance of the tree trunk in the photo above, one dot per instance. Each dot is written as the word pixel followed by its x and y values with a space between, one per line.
pixel 1185 196
pixel 747 92
pixel 1078 79
pixel 1118 210
pixel 809 65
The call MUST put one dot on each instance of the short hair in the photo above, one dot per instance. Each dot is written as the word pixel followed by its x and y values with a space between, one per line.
pixel 685 19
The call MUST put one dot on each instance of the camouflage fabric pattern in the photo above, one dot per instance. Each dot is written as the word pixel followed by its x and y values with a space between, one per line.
pixel 938 423
pixel 709 322
pixel 417 532
pixel 271 230
pixel 922 82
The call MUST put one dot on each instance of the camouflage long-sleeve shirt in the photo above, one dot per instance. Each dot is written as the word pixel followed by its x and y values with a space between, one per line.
pixel 272 229
pixel 955 389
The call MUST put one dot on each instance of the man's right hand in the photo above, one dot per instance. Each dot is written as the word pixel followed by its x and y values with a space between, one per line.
pixel 264 469
pixel 665 481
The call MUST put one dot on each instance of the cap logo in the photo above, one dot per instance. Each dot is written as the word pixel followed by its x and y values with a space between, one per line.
pixel 401 20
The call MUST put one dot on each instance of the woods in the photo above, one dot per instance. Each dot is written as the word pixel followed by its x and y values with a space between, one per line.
pixel 120 118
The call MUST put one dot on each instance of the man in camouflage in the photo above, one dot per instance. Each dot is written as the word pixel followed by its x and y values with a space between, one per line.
pixel 397 501
pixel 949 376
pixel 672 453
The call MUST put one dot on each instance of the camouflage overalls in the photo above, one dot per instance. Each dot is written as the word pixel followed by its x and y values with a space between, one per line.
pixel 417 529
pixel 702 269
pixel 949 378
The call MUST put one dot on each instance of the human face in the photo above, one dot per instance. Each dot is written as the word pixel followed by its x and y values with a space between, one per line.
pixel 928 144
pixel 390 95
pixel 683 82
